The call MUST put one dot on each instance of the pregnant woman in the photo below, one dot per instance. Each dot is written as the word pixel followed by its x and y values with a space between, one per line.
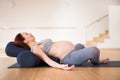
pixel 69 54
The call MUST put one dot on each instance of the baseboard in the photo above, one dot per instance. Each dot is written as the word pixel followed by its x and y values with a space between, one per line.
pixel 109 48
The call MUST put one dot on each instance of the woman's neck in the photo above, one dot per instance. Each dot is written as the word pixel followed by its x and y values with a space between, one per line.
pixel 31 44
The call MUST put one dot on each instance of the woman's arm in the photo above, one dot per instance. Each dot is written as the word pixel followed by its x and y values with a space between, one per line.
pixel 37 50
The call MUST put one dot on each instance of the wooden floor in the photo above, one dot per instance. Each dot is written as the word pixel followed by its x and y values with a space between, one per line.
pixel 101 73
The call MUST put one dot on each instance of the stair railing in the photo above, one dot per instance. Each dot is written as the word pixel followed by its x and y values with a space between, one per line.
pixel 93 23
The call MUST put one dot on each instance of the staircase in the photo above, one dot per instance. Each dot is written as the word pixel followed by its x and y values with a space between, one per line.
pixel 99 39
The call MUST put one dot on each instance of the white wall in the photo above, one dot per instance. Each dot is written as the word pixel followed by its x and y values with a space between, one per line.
pixel 50 13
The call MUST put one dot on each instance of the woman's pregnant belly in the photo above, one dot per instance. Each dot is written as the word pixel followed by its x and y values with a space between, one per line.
pixel 61 48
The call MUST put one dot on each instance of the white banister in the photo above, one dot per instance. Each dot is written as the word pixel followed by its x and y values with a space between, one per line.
pixel 103 21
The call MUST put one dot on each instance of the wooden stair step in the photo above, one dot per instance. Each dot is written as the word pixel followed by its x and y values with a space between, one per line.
pixel 99 39
pixel 104 35
pixel 107 32
pixel 91 43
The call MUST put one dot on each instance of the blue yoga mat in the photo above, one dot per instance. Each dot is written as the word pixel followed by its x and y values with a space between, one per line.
pixel 88 64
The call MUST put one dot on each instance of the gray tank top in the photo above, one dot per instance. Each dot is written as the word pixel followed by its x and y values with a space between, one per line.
pixel 47 43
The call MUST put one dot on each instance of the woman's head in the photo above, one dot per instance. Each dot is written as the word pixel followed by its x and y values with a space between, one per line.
pixel 23 39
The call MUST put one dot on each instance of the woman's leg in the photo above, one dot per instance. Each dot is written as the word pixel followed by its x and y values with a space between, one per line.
pixel 83 55
pixel 79 46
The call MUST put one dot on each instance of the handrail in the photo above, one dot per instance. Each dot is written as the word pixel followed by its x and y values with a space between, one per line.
pixel 92 23
pixel 97 20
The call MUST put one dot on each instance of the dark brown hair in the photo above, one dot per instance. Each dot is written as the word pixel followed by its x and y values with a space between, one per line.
pixel 18 41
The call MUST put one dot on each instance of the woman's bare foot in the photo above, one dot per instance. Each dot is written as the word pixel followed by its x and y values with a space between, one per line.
pixel 106 60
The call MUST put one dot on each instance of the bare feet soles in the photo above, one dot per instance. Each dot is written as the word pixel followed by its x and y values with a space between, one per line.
pixel 106 60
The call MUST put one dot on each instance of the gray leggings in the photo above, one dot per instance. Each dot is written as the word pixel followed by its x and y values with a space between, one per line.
pixel 81 55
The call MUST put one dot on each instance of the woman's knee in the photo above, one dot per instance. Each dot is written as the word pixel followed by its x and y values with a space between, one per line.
pixel 94 51
pixel 79 46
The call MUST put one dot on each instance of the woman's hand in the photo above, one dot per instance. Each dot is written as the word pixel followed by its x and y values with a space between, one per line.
pixel 66 67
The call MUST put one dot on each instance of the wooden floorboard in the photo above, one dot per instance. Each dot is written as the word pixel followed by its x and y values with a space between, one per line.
pixel 99 73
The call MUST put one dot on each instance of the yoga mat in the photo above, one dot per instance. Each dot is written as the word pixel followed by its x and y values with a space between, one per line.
pixel 88 64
